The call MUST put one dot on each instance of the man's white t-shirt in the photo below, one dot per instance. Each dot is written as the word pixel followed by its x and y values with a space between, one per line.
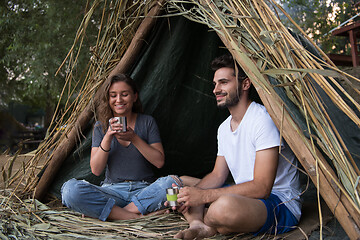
pixel 256 132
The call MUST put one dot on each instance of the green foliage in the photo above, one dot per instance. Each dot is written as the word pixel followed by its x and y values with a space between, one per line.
pixel 318 17
pixel 35 38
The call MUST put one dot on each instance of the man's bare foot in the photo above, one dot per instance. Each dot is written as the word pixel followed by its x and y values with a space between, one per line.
pixel 197 230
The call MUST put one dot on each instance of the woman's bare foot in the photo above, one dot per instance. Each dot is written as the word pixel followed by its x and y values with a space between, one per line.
pixel 159 212
pixel 197 230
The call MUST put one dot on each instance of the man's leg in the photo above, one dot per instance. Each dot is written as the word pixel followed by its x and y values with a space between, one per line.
pixel 230 213
pixel 234 213
pixel 197 227
pixel 195 217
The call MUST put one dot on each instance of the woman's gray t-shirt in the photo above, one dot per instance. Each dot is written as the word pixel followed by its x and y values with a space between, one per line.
pixel 127 163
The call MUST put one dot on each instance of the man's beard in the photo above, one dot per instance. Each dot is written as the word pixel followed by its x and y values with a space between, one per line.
pixel 232 100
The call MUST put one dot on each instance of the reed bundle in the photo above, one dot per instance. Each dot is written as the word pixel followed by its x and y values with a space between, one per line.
pixel 261 45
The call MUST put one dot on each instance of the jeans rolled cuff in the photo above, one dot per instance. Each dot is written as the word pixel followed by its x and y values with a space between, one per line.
pixel 177 180
pixel 141 209
pixel 107 209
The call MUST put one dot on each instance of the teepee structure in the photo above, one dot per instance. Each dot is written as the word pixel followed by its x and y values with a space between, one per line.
pixel 295 80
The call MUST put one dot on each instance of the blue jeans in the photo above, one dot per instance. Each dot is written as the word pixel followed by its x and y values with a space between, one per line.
pixel 97 201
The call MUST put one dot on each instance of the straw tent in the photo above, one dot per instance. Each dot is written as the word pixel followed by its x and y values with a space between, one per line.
pixel 166 46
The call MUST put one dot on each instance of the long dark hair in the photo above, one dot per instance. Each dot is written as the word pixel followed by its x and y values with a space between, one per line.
pixel 104 111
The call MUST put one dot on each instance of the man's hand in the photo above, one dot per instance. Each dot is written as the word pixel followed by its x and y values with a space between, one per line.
pixel 181 208
pixel 191 196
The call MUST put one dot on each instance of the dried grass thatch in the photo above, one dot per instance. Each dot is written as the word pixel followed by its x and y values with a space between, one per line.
pixel 261 45
pixel 31 219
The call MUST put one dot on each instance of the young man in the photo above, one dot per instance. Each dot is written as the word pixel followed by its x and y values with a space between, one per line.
pixel 266 195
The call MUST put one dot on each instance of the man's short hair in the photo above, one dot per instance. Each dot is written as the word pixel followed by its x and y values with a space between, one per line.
pixel 228 61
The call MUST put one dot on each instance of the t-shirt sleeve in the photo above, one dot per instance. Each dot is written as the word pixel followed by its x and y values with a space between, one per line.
pixel 97 135
pixel 220 143
pixel 153 132
pixel 268 135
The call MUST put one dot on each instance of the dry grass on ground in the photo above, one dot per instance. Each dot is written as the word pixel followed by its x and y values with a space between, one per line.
pixel 13 170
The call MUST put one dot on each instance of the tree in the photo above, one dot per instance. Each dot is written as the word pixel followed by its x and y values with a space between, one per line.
pixel 36 36
pixel 318 17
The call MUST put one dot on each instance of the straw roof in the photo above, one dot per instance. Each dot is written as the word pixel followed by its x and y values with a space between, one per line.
pixel 262 46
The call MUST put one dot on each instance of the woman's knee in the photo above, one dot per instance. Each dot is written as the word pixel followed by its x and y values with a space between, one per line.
pixel 71 192
pixel 168 181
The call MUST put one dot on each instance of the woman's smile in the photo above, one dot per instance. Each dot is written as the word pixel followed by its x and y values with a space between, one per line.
pixel 121 98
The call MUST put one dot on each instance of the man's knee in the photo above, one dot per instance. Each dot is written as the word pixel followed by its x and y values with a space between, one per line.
pixel 220 211
pixel 234 213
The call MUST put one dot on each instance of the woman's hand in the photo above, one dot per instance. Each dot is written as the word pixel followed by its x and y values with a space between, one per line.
pixel 129 135
pixel 154 153
pixel 114 126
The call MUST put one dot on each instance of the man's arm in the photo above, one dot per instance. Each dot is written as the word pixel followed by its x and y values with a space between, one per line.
pixel 266 162
pixel 215 179
pixel 218 175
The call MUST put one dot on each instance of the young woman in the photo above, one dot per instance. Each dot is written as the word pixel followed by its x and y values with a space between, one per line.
pixel 128 190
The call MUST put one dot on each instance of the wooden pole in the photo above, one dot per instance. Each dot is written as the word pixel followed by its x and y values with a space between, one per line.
pixel 67 145
pixel 340 206
pixel 354 46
